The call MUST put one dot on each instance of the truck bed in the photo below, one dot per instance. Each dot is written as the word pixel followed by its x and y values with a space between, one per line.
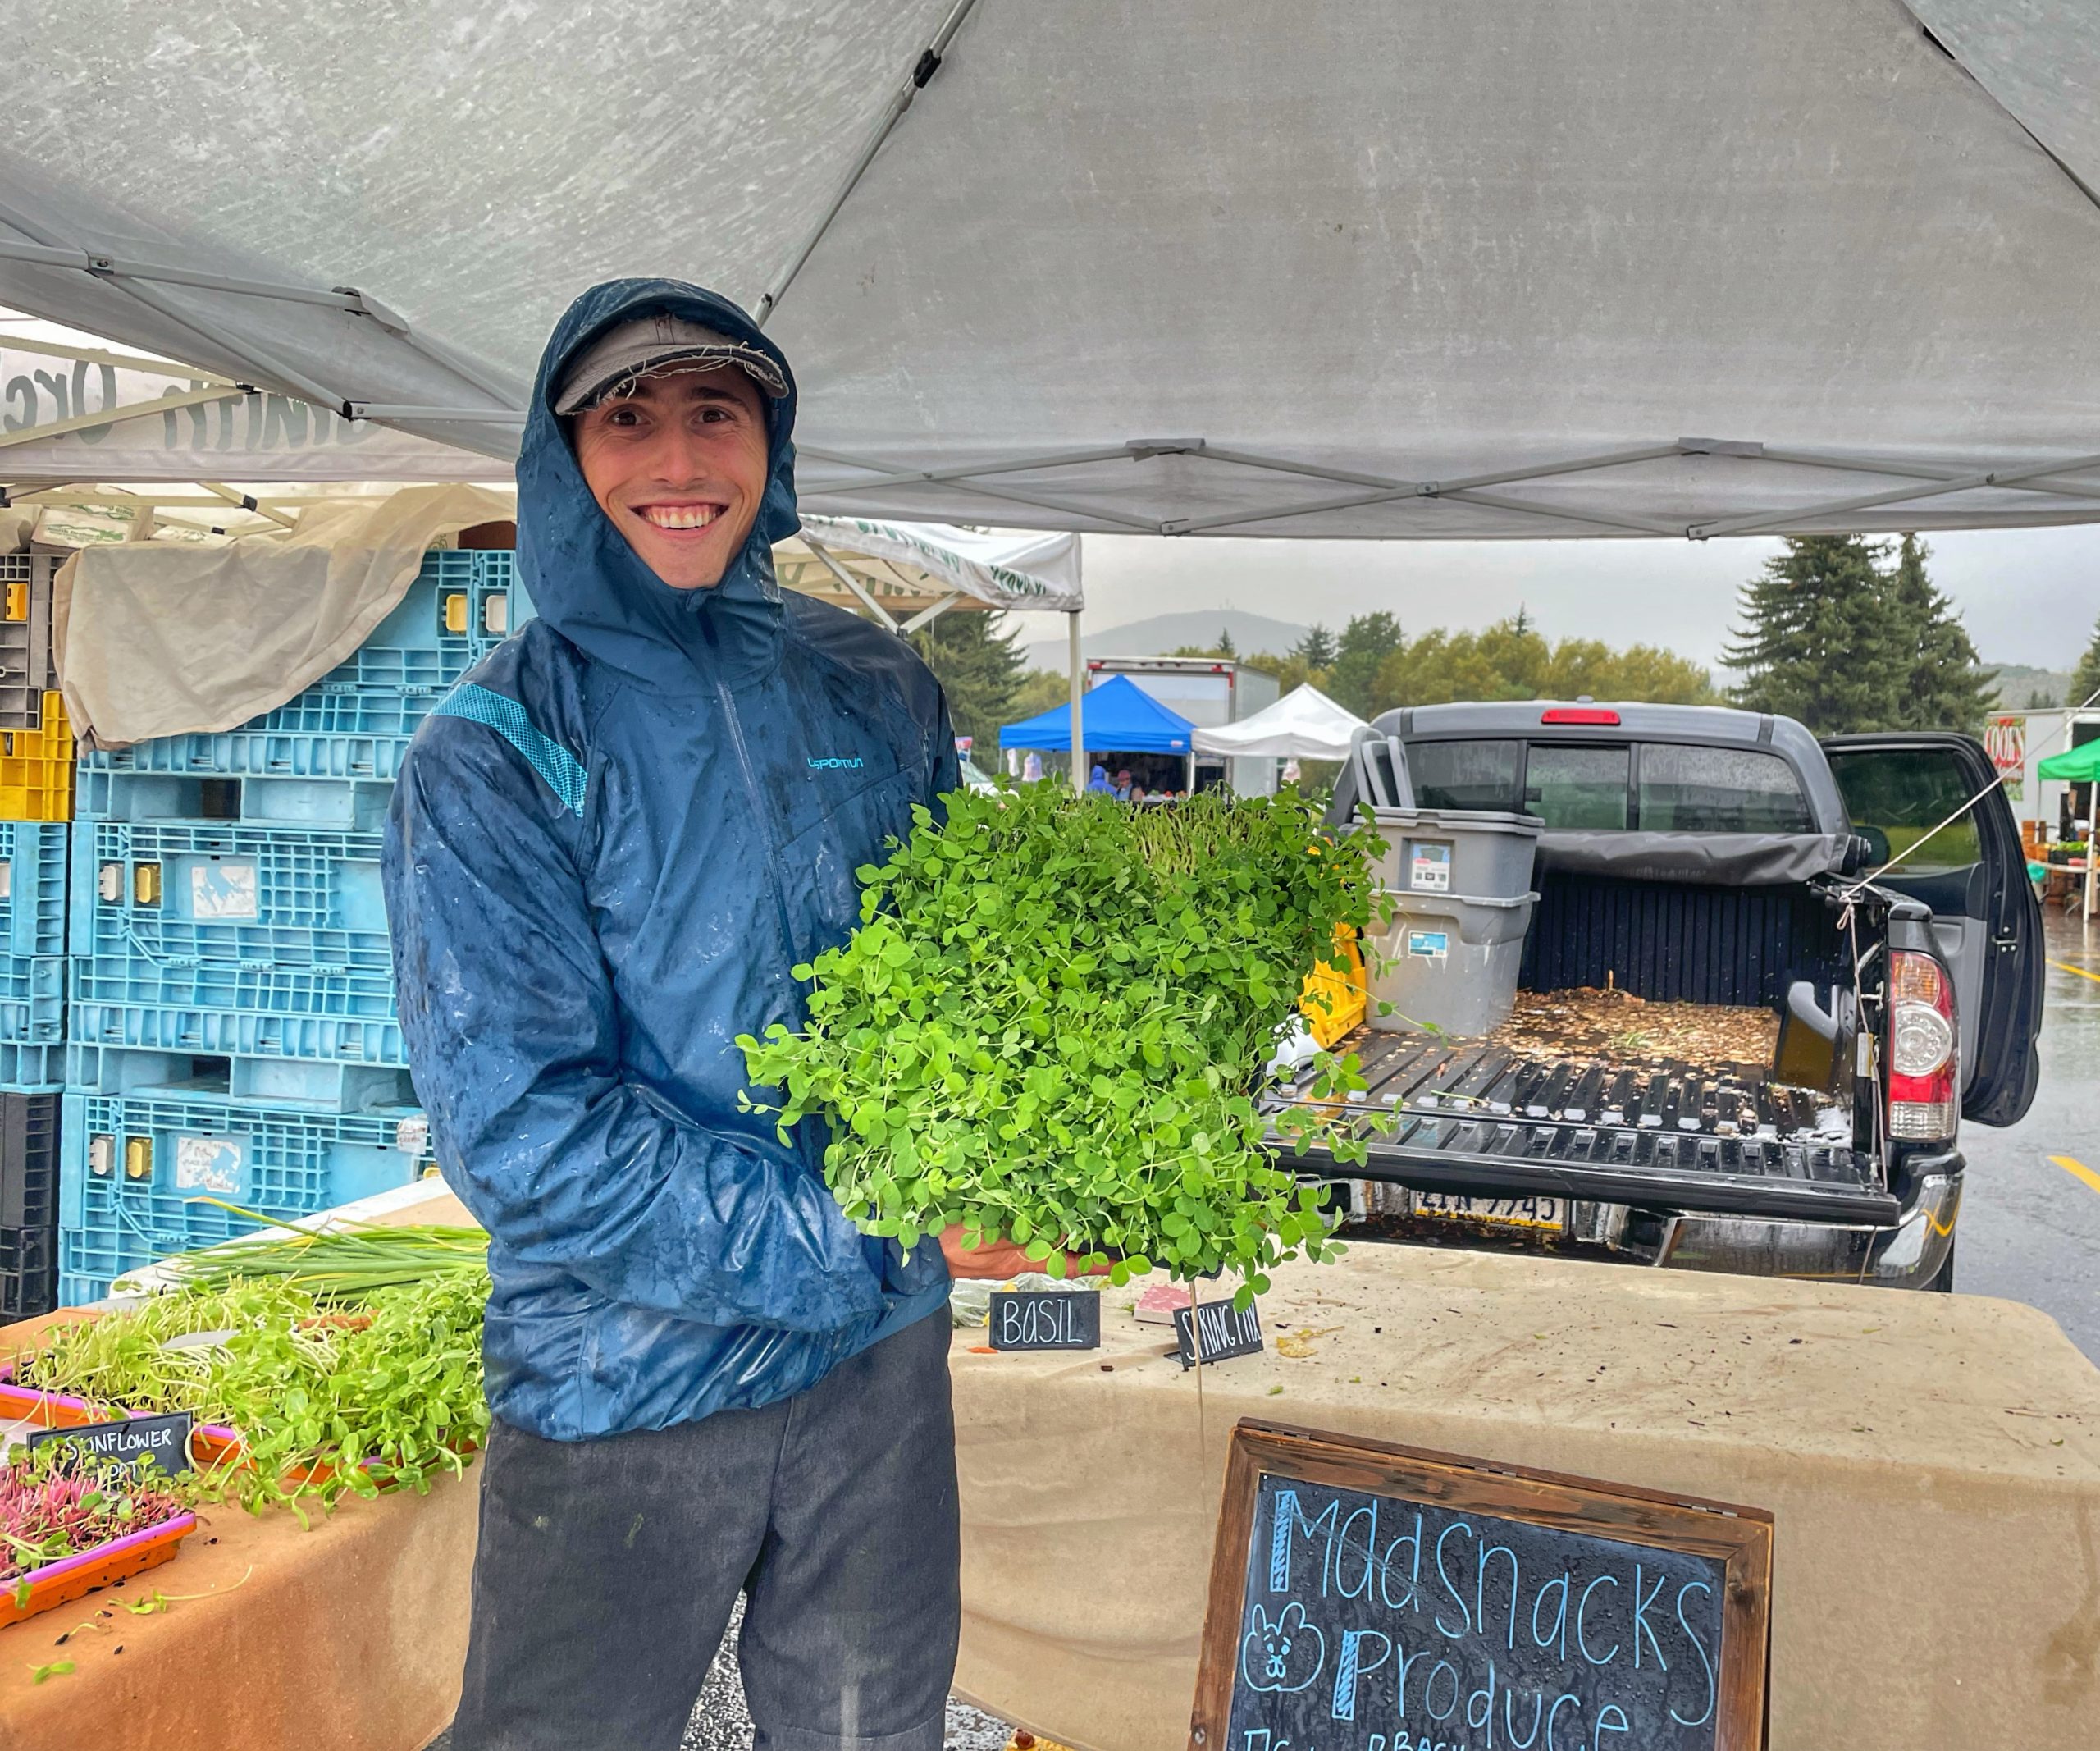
pixel 1474 1116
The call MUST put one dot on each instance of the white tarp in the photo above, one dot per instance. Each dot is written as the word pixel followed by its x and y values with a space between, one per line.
pixel 999 569
pixel 138 659
pixel 1335 269
pixel 1304 724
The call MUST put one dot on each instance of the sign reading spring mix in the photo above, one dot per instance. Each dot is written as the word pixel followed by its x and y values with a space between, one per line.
pixel 1370 1597
pixel 2005 739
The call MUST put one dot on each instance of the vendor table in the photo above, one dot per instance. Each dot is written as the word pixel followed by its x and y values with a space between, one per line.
pixel 349 1637
pixel 1933 1463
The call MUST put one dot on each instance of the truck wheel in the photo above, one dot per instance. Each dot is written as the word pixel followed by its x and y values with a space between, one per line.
pixel 1942 1283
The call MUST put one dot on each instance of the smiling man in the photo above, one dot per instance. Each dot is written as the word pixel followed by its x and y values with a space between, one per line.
pixel 610 847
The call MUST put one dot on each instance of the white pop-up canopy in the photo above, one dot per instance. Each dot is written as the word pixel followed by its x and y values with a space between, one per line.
pixel 922 570
pixel 1304 724
pixel 73 409
pixel 1335 269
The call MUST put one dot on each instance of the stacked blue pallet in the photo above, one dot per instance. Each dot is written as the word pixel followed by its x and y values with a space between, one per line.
pixel 232 1035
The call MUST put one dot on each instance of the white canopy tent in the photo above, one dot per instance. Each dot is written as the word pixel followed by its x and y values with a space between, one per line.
pixel 922 570
pixel 1338 268
pixel 1304 724
pixel 72 408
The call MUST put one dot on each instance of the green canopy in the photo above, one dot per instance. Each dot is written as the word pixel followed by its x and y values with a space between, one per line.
pixel 2081 765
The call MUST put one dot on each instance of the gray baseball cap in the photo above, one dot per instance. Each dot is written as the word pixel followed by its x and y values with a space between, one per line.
pixel 647 344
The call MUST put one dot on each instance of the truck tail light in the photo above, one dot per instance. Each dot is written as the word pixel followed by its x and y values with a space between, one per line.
pixel 1579 715
pixel 1923 1055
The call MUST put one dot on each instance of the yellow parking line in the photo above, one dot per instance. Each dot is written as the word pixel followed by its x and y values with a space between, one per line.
pixel 2065 968
pixel 2078 1170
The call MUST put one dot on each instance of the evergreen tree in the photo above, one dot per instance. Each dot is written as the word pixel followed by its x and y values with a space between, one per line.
pixel 980 667
pixel 1316 650
pixel 1040 690
pixel 2086 683
pixel 1947 688
pixel 1224 645
pixel 1819 641
pixel 1360 653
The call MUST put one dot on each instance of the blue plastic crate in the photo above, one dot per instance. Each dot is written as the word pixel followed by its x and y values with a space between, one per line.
pixel 308 1063
pixel 341 782
pixel 33 873
pixel 331 753
pixel 32 1067
pixel 135 1172
pixel 165 984
pixel 33 999
pixel 277 896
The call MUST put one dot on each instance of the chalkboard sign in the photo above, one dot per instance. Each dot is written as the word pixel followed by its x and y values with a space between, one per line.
pixel 163 1440
pixel 1371 1598
pixel 1045 1319
pixel 1225 1332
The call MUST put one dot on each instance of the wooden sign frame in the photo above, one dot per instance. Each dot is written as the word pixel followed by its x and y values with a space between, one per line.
pixel 1739 1537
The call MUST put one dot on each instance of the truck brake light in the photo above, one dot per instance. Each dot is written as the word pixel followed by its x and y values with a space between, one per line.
pixel 1578 715
pixel 1923 1054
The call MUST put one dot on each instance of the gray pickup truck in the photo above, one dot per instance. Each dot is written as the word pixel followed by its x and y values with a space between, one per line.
pixel 1695 856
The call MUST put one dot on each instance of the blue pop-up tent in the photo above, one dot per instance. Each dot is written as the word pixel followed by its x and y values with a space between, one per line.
pixel 1118 715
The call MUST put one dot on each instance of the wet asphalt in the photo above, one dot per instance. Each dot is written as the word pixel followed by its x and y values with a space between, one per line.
pixel 2030 1228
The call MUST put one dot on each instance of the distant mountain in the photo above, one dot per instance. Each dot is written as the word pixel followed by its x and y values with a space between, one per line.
pixel 1251 633
pixel 2017 684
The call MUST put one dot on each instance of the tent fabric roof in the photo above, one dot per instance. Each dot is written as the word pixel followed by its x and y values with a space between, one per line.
pixel 1408 270
pixel 2081 765
pixel 1304 724
pixel 999 570
pixel 1116 717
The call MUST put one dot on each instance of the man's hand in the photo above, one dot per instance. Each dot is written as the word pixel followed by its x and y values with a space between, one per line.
pixel 998 1260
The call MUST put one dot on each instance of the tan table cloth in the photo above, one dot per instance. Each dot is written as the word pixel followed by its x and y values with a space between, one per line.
pixel 1932 1461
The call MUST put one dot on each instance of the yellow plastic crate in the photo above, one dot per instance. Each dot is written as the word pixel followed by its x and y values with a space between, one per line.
pixel 36 767
pixel 1334 1003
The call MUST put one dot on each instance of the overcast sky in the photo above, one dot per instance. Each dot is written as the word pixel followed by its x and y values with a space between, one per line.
pixel 2028 596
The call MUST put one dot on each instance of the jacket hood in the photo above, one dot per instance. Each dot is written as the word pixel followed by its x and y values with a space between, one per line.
pixel 587 583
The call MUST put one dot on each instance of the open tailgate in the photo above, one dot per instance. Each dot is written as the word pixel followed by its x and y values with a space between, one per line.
pixel 1476 1119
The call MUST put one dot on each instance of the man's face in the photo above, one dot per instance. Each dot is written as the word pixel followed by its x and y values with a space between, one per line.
pixel 679 464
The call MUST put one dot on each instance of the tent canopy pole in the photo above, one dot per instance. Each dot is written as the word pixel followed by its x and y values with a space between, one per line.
pixel 1079 733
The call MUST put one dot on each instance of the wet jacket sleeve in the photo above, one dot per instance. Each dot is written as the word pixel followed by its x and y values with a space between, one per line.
pixel 508 1009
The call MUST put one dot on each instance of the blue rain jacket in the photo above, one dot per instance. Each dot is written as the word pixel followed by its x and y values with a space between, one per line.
pixel 610 845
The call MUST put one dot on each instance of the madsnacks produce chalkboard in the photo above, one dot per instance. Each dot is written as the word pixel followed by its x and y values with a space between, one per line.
pixel 1370 1597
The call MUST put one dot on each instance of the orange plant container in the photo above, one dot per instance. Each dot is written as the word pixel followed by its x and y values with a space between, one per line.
pixel 36 767
pixel 212 1449
pixel 61 1582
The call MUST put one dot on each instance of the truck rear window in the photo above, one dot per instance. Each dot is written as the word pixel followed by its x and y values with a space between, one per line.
pixel 1468 775
pixel 1579 788
pixel 1718 790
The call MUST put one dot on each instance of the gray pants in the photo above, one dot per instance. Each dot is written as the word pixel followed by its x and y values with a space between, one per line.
pixel 608 1569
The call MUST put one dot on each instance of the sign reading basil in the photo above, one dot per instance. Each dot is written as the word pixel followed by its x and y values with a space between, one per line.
pixel 1045 1319
pixel 1370 1597
pixel 162 1440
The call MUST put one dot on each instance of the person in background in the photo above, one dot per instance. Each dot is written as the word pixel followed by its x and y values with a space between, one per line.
pixel 1123 784
pixel 1031 769
pixel 1100 781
